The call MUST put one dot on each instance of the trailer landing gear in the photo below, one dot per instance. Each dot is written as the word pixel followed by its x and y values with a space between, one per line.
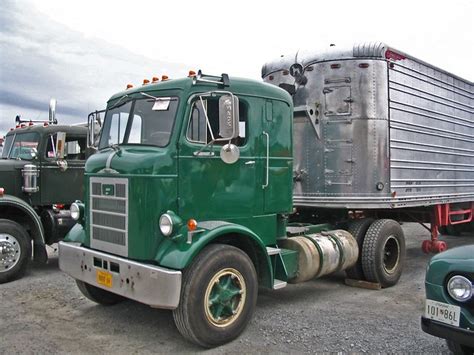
pixel 444 216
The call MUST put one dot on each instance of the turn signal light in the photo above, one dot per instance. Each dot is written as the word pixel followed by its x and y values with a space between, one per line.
pixel 146 81
pixel 191 73
pixel 155 79
pixel 164 77
pixel 192 224
pixel 129 86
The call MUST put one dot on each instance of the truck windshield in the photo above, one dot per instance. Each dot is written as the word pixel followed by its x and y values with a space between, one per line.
pixel 22 146
pixel 146 121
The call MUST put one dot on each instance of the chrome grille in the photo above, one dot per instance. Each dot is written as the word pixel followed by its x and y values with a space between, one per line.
pixel 109 214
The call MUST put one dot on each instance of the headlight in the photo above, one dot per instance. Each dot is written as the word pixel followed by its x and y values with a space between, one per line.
pixel 75 210
pixel 460 288
pixel 166 225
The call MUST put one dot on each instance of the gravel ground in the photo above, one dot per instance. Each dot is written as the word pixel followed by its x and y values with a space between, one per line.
pixel 45 313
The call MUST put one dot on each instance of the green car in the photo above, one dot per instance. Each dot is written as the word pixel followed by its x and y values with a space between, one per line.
pixel 449 309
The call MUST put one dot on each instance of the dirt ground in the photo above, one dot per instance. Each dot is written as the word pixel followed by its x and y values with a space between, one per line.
pixel 45 313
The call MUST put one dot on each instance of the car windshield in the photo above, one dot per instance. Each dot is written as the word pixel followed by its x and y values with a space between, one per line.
pixel 146 121
pixel 22 146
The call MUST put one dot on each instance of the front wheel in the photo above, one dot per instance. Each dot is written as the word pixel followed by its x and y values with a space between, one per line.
pixel 98 295
pixel 383 252
pixel 15 250
pixel 459 349
pixel 218 296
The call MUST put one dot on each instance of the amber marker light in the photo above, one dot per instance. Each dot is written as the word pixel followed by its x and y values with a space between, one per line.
pixel 146 81
pixel 155 79
pixel 164 77
pixel 129 86
pixel 191 73
pixel 192 224
pixel 2 191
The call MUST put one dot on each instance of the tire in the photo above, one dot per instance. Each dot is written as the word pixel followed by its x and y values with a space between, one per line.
pixel 358 228
pixel 98 295
pixel 15 250
pixel 206 316
pixel 383 252
pixel 459 349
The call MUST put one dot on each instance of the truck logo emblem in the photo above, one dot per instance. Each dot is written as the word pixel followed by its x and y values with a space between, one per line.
pixel 108 190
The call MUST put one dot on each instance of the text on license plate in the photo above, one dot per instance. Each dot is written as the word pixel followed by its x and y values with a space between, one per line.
pixel 442 312
pixel 104 278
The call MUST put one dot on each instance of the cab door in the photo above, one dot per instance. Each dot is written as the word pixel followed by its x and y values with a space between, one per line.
pixel 62 184
pixel 208 187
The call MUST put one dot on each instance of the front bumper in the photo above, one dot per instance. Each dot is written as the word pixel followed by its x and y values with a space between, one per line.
pixel 456 334
pixel 149 284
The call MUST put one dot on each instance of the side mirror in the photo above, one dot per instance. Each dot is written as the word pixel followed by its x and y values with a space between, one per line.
pixel 93 128
pixel 229 117
pixel 230 153
pixel 52 111
pixel 60 144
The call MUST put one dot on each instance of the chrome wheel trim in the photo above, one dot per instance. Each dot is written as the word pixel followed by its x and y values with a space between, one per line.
pixel 10 252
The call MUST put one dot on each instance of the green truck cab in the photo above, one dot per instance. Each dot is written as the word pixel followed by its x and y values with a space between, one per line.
pixel 188 203
pixel 449 309
pixel 41 174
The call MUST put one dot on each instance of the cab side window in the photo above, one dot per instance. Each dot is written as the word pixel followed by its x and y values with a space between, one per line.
pixel 75 148
pixel 199 130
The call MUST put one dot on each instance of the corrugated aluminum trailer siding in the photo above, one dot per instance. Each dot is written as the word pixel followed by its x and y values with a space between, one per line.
pixel 397 133
pixel 431 134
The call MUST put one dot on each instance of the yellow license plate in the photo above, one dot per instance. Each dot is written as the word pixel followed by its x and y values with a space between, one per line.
pixel 104 278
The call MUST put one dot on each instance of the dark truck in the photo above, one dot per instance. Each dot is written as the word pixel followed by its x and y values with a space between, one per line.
pixel 41 174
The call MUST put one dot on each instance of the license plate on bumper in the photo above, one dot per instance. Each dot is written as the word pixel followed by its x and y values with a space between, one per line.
pixel 104 278
pixel 442 312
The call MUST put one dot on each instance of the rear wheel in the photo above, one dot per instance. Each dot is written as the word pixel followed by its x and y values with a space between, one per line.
pixel 358 228
pixel 98 295
pixel 218 296
pixel 383 252
pixel 15 250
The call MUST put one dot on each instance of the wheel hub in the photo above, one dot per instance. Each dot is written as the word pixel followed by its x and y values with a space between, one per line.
pixel 9 252
pixel 391 254
pixel 225 297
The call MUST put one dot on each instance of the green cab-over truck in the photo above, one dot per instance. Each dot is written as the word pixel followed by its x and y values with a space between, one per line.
pixel 41 174
pixel 188 206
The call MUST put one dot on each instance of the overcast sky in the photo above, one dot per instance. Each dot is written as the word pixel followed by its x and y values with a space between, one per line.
pixel 82 52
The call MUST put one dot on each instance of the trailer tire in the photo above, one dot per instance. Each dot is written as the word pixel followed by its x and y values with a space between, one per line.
pixel 383 252
pixel 98 295
pixel 218 296
pixel 15 253
pixel 358 229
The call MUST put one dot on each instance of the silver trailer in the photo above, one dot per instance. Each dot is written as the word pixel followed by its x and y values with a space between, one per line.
pixel 379 137
pixel 376 128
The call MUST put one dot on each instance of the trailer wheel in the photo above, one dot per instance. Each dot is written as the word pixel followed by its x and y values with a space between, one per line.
pixel 383 252
pixel 15 250
pixel 218 296
pixel 358 229
pixel 98 295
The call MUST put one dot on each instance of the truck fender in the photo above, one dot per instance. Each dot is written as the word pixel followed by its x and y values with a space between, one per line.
pixel 36 232
pixel 179 255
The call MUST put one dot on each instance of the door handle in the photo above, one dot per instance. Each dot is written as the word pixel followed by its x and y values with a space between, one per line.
pixel 250 162
pixel 267 165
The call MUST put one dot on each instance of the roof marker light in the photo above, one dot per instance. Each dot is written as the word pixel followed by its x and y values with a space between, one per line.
pixel 129 86
pixel 30 124
pixel 155 79
pixel 363 65
pixel 191 73
pixel 335 66
pixel 146 81
pixel 164 77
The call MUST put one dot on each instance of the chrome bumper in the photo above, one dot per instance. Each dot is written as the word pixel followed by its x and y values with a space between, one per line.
pixel 152 285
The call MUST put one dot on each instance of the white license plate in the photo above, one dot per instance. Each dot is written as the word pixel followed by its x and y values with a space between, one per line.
pixel 443 312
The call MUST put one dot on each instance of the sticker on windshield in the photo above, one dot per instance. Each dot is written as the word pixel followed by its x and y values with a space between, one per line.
pixel 161 104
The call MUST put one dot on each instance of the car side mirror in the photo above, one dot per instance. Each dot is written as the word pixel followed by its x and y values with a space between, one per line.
pixel 228 117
